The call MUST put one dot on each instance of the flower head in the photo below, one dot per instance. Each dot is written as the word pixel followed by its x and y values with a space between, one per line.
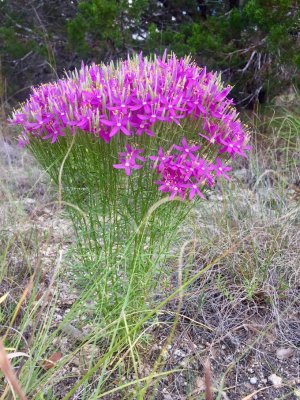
pixel 128 159
pixel 141 96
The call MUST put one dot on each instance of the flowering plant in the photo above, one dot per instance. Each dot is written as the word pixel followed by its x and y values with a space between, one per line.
pixel 119 133
pixel 141 97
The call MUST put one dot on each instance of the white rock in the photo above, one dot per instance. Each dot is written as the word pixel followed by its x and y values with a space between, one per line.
pixel 179 353
pixel 253 380
pixel 275 380
pixel 283 354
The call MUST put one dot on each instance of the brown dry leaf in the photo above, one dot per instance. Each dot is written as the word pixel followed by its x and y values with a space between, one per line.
pixel 52 360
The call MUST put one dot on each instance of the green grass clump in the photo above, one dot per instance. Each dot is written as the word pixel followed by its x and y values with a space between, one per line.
pixel 123 227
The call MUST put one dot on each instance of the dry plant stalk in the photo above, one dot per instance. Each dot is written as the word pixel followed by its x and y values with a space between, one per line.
pixel 7 369
pixel 208 381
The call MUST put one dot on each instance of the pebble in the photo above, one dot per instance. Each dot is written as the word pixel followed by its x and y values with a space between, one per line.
pixel 179 353
pixel 253 380
pixel 283 354
pixel 275 380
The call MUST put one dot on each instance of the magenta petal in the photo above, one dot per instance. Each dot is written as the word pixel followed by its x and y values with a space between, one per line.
pixel 118 166
pixel 114 131
pixel 125 131
pixel 107 123
pixel 143 117
pixel 192 194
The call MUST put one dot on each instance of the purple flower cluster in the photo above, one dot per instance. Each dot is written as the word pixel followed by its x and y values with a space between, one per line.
pixel 139 97
pixel 182 172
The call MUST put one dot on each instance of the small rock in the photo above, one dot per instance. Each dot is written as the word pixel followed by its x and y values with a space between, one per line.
pixel 250 370
pixel 28 200
pixel 179 353
pixel 275 380
pixel 283 354
pixel 253 380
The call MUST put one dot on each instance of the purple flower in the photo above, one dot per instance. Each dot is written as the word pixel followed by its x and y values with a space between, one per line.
pixel 122 106
pixel 201 170
pixel 145 103
pixel 93 98
pixel 233 147
pixel 153 117
pixel 132 153
pixel 171 105
pixel 194 190
pixel 127 165
pixel 118 125
pixel 172 187
pixel 196 106
pixel 128 159
pixel 142 127
pixel 161 160
pixel 185 148
pixel 221 169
